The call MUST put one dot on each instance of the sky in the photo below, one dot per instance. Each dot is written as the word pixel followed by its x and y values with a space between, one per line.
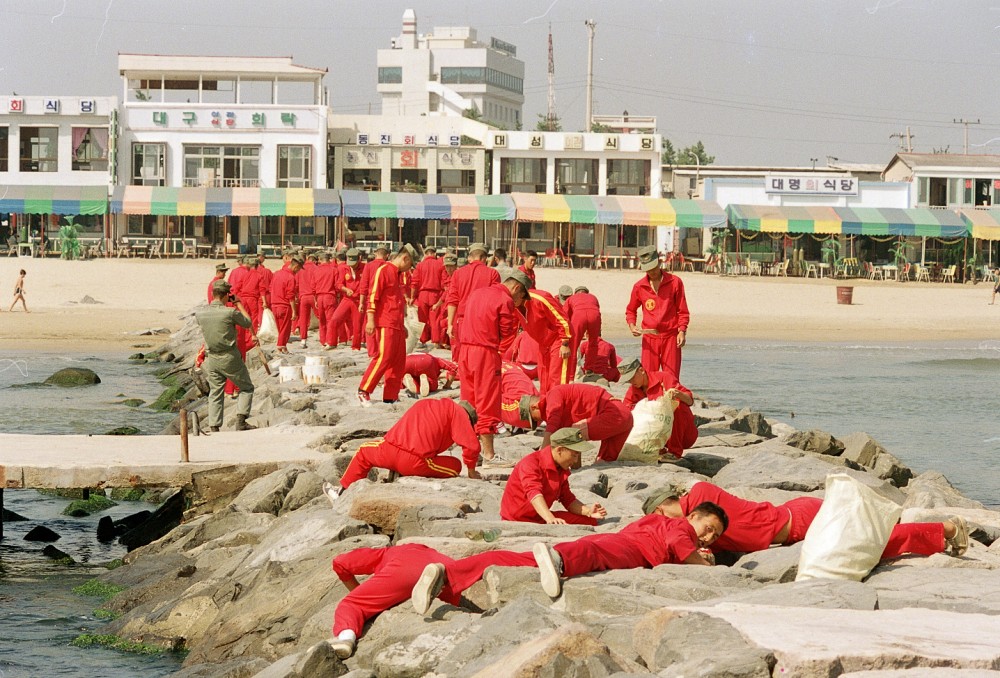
pixel 768 82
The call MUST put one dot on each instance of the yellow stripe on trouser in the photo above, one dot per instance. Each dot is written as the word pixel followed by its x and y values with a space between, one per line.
pixel 367 386
pixel 564 371
pixel 441 469
pixel 362 445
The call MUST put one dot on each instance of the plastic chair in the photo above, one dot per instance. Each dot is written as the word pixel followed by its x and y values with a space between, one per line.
pixel 921 273
pixel 948 274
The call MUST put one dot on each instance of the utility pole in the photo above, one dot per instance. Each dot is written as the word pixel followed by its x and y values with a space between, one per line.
pixel 552 86
pixel 908 137
pixel 592 28
pixel 966 123
pixel 814 161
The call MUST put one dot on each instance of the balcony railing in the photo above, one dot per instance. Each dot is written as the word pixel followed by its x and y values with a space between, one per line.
pixel 221 182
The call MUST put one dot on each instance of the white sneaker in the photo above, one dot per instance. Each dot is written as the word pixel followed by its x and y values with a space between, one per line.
pixel 342 648
pixel 332 493
pixel 409 384
pixel 364 399
pixel 549 567
pixel 425 386
pixel 427 587
pixel 303 344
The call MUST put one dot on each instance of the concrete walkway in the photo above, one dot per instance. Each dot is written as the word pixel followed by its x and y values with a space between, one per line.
pixel 49 461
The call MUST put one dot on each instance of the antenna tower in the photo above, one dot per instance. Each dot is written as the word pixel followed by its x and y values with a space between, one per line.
pixel 551 116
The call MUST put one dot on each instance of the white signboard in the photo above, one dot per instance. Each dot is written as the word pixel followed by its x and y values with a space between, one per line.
pixel 810 184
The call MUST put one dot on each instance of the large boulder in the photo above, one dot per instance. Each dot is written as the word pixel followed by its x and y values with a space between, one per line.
pixel 931 490
pixel 864 450
pixel 748 421
pixel 816 441
pixel 940 584
pixel 73 376
pixel 566 652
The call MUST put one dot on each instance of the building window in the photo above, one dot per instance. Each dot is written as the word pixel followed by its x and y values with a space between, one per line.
pixel 522 175
pixel 4 135
pixel 576 176
pixel 464 75
pixel 456 181
pixel 628 177
pixel 39 149
pixel 363 179
pixel 143 224
pixel 149 164
pixel 390 75
pixel 408 180
pixel 294 166
pixel 222 166
pixel 90 149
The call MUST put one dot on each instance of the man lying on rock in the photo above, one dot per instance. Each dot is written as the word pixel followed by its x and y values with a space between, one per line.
pixel 413 446
pixel 542 477
pixel 756 525
pixel 650 541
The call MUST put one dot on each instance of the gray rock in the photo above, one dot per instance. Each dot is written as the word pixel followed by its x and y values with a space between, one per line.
pixel 702 463
pixel 308 486
pixel 748 421
pixel 567 652
pixel 818 593
pixel 924 672
pixel 678 643
pixel 724 437
pixel 779 564
pixel 241 667
pixel 267 494
pixel 41 533
pixel 866 451
pixel 816 441
pixel 320 660
pixel 932 490
pixel 73 376
pixel 414 521
pixel 946 586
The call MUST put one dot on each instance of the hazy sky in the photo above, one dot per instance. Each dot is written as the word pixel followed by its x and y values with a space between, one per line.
pixel 759 82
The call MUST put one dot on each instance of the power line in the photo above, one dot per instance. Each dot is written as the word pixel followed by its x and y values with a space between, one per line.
pixel 966 123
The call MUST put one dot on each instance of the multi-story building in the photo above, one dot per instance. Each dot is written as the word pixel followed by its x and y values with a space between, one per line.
pixel 448 72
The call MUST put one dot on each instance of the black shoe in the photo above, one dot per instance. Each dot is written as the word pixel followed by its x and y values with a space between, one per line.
pixel 390 402
pixel 213 429
pixel 242 425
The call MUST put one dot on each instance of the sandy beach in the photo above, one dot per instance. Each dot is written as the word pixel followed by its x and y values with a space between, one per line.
pixel 136 295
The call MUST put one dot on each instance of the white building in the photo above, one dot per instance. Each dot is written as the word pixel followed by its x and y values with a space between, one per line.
pixel 220 123
pixel 448 72
pixel 948 179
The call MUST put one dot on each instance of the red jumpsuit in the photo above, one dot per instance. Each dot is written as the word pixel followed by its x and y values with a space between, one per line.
pixel 266 278
pixel 488 322
pixel 530 273
pixel 238 278
pixel 427 290
pixel 608 419
pixel 414 444
pixel 754 525
pixel 284 293
pixel 307 298
pixel 538 474
pixel 514 383
pixel 473 276
pixel 347 318
pixel 549 326
pixel 251 296
pixel 390 335
pixel 605 364
pixel 395 571
pixel 364 292
pixel 442 311
pixel 685 431
pixel 325 287
pixel 525 352
pixel 584 313
pixel 418 364
pixel 666 312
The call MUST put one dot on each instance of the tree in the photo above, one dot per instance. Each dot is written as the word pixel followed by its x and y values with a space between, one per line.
pixel 472 113
pixel 546 124
pixel 687 156
pixel 669 156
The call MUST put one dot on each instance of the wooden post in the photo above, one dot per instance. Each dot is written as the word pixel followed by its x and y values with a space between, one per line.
pixel 184 435
pixel 1 514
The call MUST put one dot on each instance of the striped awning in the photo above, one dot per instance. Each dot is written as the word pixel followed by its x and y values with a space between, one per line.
pixel 983 223
pixel 463 206
pixel 631 210
pixel 847 220
pixel 54 199
pixel 220 202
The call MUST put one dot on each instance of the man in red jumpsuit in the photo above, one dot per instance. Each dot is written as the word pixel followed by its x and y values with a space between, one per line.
pixel 380 259
pixel 347 318
pixel 542 477
pixel 525 352
pixel 384 328
pixel 606 362
pixel 756 525
pixel 450 266
pixel 266 277
pixel 414 445
pixel 489 323
pixel 656 385
pixel 528 265
pixel 473 276
pixel 395 570
pixel 427 288
pixel 665 315
pixel 325 286
pixel 549 326
pixel 514 384
pixel 284 300
pixel 589 407
pixel 220 274
pixel 645 543
pixel 584 313
pixel 307 297
pixel 423 373
pixel 252 296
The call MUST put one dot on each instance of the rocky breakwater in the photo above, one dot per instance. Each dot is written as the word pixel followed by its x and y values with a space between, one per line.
pixel 247 588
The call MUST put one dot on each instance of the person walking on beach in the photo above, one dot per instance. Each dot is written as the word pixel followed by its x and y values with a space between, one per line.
pixel 220 274
pixel 665 315
pixel 284 300
pixel 546 323
pixel 222 360
pixel 347 318
pixel 584 313
pixel 427 289
pixel 19 292
pixel 473 276
pixel 380 259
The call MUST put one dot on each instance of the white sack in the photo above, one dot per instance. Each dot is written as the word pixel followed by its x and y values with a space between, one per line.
pixel 652 424
pixel 848 535
pixel 268 331
pixel 414 328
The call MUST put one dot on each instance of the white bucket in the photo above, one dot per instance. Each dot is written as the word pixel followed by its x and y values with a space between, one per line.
pixel 316 360
pixel 289 373
pixel 314 374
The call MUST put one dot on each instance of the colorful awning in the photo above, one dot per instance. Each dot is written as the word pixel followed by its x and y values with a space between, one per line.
pixel 65 200
pixel 983 223
pixel 219 202
pixel 847 220
pixel 445 206
pixel 631 210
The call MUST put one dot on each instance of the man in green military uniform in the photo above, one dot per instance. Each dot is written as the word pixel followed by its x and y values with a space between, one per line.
pixel 222 359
